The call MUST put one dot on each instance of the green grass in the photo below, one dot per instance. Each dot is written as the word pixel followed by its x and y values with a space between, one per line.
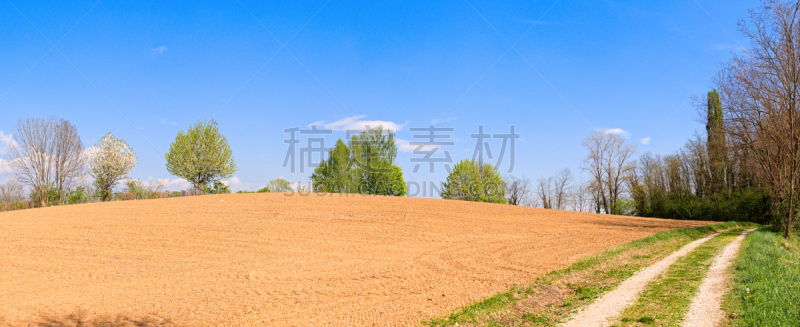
pixel 766 289
pixel 553 296
pixel 666 299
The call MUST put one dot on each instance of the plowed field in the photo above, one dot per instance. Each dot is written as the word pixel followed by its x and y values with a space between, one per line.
pixel 268 259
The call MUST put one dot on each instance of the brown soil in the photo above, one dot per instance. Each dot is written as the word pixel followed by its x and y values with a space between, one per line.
pixel 269 259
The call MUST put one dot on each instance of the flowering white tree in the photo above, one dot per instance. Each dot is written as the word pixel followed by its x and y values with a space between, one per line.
pixel 110 161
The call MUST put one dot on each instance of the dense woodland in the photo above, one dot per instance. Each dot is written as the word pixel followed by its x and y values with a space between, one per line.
pixel 710 178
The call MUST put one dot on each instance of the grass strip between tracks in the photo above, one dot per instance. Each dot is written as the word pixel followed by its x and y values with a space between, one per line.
pixel 666 299
pixel 766 288
pixel 553 296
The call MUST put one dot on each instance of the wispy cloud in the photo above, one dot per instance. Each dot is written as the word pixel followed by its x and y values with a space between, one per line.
pixel 358 123
pixel 160 49
pixel 617 131
pixel 646 140
pixel 406 146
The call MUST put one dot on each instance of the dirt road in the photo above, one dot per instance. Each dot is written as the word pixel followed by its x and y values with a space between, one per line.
pixel 602 311
pixel 268 259
pixel 706 309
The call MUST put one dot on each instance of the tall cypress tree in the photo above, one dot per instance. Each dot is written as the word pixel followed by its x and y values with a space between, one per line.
pixel 716 147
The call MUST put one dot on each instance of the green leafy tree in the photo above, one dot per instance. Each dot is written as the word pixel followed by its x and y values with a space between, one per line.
pixel 471 181
pixel 625 207
pixel 373 153
pixel 78 195
pixel 397 186
pixel 50 196
pixel 279 185
pixel 365 165
pixel 201 155
pixel 334 174
pixel 218 188
pixel 137 189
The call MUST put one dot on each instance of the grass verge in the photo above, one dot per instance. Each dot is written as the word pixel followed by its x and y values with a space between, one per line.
pixel 666 299
pixel 553 296
pixel 766 289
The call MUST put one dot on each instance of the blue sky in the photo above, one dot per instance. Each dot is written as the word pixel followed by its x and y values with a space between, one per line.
pixel 555 69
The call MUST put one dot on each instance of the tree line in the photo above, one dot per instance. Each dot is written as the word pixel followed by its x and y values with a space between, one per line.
pixel 48 158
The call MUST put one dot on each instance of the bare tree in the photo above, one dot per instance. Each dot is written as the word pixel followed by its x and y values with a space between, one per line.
pixel 518 190
pixel 760 92
pixel 157 187
pixel 544 192
pixel 580 197
pixel 70 161
pixel 608 162
pixel 12 192
pixel 595 190
pixel 48 153
pixel 561 185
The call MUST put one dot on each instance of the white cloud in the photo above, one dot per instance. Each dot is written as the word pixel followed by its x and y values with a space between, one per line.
pixel 6 140
pixel 646 140
pixel 317 123
pixel 617 131
pixel 160 49
pixel 177 184
pixel 4 167
pixel 356 123
pixel 406 146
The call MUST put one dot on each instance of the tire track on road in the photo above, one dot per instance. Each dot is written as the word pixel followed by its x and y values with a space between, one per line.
pixel 609 306
pixel 706 308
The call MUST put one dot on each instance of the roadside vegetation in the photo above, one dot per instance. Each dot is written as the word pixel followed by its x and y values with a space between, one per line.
pixel 766 286
pixel 553 296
